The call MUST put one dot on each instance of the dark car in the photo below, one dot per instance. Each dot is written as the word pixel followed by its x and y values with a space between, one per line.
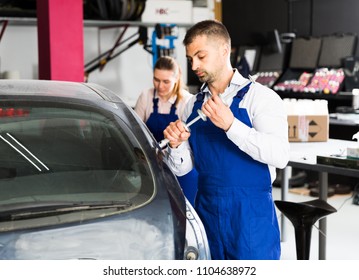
pixel 81 177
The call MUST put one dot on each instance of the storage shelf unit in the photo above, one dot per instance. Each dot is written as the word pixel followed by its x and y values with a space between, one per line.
pixel 339 99
pixel 23 21
pixel 342 95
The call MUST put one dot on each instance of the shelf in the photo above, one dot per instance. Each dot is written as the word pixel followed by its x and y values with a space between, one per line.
pixel 23 21
pixel 105 23
pixel 306 95
pixel 30 21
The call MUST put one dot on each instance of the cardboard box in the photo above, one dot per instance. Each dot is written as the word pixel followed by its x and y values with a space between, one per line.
pixel 159 11
pixel 310 128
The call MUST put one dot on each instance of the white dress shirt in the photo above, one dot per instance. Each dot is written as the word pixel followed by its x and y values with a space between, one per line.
pixel 144 104
pixel 266 141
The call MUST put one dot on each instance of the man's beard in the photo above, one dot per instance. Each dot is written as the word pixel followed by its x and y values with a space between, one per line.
pixel 202 79
pixel 206 78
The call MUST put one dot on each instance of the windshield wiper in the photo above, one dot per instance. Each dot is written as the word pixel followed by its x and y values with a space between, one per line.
pixel 30 210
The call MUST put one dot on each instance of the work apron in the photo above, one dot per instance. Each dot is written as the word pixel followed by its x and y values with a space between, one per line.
pixel 157 123
pixel 234 198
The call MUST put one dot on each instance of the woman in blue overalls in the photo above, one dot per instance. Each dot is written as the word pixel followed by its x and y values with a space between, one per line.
pixel 164 103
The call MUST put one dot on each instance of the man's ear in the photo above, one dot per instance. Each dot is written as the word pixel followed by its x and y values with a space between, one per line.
pixel 226 49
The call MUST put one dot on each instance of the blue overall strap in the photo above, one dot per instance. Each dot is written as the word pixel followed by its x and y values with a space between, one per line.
pixel 243 91
pixel 155 105
pixel 173 109
pixel 242 112
pixel 157 123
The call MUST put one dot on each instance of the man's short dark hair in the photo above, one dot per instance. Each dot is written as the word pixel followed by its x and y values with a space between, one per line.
pixel 210 28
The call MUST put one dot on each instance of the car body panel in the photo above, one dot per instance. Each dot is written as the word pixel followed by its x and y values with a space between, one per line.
pixel 92 241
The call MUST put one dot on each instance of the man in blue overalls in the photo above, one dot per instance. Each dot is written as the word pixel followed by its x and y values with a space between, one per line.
pixel 236 151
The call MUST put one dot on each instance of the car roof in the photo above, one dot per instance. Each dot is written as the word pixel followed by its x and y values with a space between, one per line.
pixel 68 89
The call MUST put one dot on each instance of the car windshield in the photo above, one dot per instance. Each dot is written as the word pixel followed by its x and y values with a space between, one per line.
pixel 56 156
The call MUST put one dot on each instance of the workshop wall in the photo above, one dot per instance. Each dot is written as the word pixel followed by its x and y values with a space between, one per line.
pixel 18 52
pixel 248 21
pixel 126 74
pixel 131 71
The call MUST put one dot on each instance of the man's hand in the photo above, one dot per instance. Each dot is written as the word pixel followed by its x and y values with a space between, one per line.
pixel 176 133
pixel 220 114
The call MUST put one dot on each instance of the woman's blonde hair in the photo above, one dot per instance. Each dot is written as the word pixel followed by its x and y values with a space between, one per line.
pixel 170 64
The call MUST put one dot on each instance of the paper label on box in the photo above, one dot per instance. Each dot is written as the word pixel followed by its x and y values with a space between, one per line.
pixel 303 128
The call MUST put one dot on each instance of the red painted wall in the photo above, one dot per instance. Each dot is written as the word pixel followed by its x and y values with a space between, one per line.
pixel 60 40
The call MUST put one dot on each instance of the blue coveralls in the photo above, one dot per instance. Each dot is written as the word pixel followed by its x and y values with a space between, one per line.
pixel 157 123
pixel 234 198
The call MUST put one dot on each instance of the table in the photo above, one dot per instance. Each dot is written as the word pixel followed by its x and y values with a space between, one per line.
pixel 303 155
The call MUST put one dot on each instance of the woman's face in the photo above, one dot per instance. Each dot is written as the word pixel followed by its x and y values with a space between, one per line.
pixel 164 82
